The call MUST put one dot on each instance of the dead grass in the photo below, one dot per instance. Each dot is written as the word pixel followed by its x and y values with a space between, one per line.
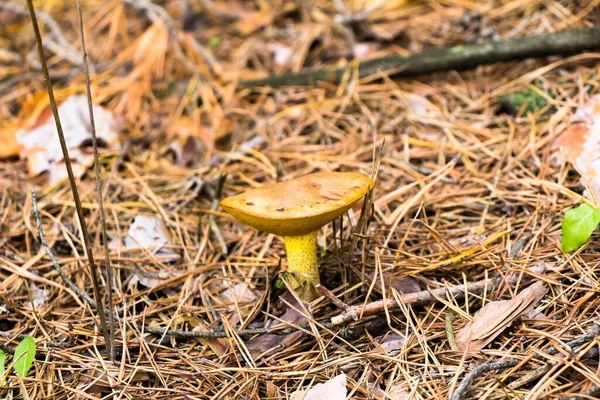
pixel 503 185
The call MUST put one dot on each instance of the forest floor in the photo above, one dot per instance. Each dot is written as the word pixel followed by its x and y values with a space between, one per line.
pixel 468 191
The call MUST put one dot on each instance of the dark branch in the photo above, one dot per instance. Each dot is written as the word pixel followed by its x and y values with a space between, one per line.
pixel 453 58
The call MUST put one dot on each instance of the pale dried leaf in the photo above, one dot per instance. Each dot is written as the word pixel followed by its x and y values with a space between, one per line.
pixel 149 279
pixel 238 293
pixel 282 54
pixel 41 146
pixel 147 232
pixel 333 389
pixel 391 343
pixel 494 317
pixel 39 297
pixel 580 143
pixel 396 392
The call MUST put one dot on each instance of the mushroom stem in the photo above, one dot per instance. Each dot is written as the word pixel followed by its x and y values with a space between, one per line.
pixel 302 264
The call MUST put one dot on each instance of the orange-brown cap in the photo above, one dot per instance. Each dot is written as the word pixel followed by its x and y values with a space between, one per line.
pixel 298 206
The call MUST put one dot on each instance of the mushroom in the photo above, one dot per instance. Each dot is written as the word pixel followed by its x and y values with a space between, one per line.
pixel 297 209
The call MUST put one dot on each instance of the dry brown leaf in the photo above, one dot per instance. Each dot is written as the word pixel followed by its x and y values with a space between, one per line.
pixel 390 343
pixel 219 346
pixel 396 392
pixel 580 143
pixel 494 317
pixel 267 342
pixel 333 389
pixel 192 142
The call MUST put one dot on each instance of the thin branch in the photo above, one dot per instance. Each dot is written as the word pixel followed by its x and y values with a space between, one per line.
pixel 428 296
pixel 65 152
pixel 332 297
pixel 99 192
pixel 458 58
pixel 57 267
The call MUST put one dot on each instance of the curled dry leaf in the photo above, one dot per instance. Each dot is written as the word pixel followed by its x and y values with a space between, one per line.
pixel 333 389
pixel 580 143
pixel 494 317
pixel 41 146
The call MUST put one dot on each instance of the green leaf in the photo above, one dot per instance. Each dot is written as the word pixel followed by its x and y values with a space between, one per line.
pixel 2 370
pixel 24 356
pixel 578 225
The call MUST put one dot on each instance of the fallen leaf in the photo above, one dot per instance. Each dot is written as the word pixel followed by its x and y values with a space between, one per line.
pixel 39 297
pixel 282 55
pixel 333 389
pixel 219 346
pixel 390 343
pixel 580 143
pixel 491 320
pixel 41 146
pixel 406 284
pixel 264 343
pixel 149 279
pixel 147 232
pixel 396 392
pixel 239 293
pixel 191 141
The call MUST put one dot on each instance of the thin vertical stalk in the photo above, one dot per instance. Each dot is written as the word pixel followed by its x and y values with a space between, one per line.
pixel 65 152
pixel 99 191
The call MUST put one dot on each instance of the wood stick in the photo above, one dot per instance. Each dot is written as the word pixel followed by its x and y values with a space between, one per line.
pixel 428 296
pixel 457 57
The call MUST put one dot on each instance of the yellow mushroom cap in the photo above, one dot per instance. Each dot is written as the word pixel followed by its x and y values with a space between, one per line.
pixel 298 206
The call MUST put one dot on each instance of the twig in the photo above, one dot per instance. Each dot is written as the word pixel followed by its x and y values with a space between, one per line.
pixel 65 152
pixel 497 365
pixel 458 57
pixel 56 41
pixel 57 267
pixel 107 266
pixel 332 297
pixel 427 296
